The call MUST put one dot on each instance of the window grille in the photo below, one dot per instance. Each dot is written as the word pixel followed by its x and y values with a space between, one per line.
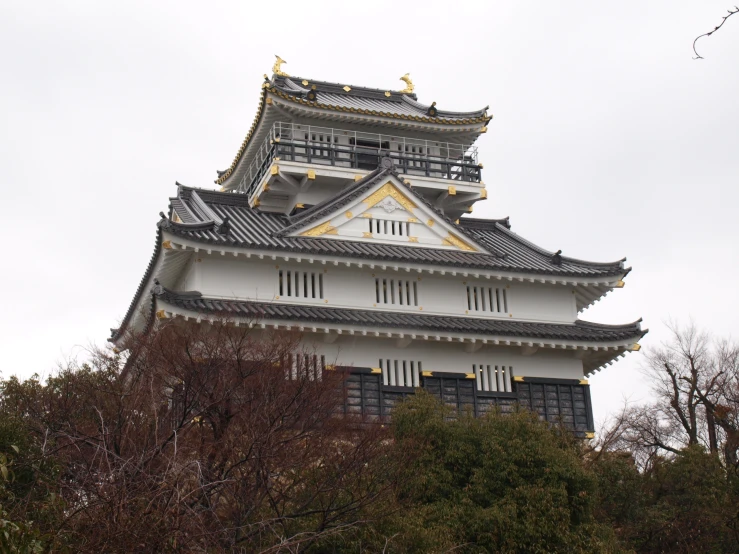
pixel 401 373
pixel 495 378
pixel 389 227
pixel 300 284
pixel 487 299
pixel 304 366
pixel 396 292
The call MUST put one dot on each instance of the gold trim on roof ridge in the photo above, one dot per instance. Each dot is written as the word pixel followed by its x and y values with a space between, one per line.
pixel 322 229
pixel 388 189
pixel 277 68
pixel 451 240
pixel 257 118
pixel 409 86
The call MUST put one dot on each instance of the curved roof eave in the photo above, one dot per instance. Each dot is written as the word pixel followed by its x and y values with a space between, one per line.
pixel 579 330
pixel 116 334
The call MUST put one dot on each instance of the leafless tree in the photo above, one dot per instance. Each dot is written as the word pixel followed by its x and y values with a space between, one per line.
pixel 695 384
pixel 209 438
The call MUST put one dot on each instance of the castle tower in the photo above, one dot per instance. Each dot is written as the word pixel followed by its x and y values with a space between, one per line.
pixel 341 216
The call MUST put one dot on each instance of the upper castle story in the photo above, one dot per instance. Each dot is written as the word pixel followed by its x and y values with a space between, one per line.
pixel 309 139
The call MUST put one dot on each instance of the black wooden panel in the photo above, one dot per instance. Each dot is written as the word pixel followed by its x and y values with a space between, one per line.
pixel 566 402
pixel 557 401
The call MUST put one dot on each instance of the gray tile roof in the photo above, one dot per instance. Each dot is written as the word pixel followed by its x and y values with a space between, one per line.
pixel 252 228
pixel 579 331
pixel 397 104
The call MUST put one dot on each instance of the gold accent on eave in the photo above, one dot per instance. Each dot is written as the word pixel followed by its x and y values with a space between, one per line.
pixel 368 216
pixel 388 94
pixel 300 205
pixel 305 83
pixel 412 239
pixel 366 235
pixel 376 370
pixel 347 88
pixel 589 435
pixel 256 203
pixel 427 374
pixel 484 193
pixel 412 220
pixel 242 148
pixel 584 382
pixel 167 244
pixel 274 170
pixel 357 178
pixel 322 229
pixel 636 347
pixel 484 129
pixel 451 240
pixel 452 190
pixel 388 189
pixel 268 100
pixel 409 84
pixel 311 174
pixel 518 379
pixel 469 375
pixel 620 284
pixel 161 314
pixel 348 215
pixel 276 69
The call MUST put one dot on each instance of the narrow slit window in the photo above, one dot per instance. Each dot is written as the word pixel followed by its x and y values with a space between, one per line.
pixel 401 373
pixel 300 284
pixel 396 292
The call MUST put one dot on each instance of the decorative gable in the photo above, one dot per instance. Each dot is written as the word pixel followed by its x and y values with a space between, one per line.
pixel 388 212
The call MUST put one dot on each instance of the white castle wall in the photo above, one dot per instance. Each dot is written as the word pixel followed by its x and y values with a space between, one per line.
pixel 253 279
pixel 448 357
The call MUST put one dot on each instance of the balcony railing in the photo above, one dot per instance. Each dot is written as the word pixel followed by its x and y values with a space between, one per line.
pixel 359 150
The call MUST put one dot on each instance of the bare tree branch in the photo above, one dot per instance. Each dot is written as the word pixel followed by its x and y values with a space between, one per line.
pixel 723 20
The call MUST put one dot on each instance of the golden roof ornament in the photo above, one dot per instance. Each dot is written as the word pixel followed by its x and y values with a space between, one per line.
pixel 276 68
pixel 409 88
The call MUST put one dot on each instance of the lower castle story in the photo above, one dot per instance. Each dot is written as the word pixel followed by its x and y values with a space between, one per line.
pixel 563 402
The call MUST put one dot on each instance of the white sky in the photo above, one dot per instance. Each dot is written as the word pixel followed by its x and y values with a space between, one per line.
pixel 609 140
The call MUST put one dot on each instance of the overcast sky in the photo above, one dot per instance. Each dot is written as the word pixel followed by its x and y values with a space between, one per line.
pixel 609 140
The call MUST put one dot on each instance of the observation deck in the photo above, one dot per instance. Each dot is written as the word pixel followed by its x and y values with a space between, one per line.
pixel 293 154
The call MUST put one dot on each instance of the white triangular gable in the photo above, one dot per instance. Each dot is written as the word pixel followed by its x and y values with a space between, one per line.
pixel 389 213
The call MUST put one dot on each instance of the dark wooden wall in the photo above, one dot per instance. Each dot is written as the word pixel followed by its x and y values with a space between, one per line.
pixel 558 401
